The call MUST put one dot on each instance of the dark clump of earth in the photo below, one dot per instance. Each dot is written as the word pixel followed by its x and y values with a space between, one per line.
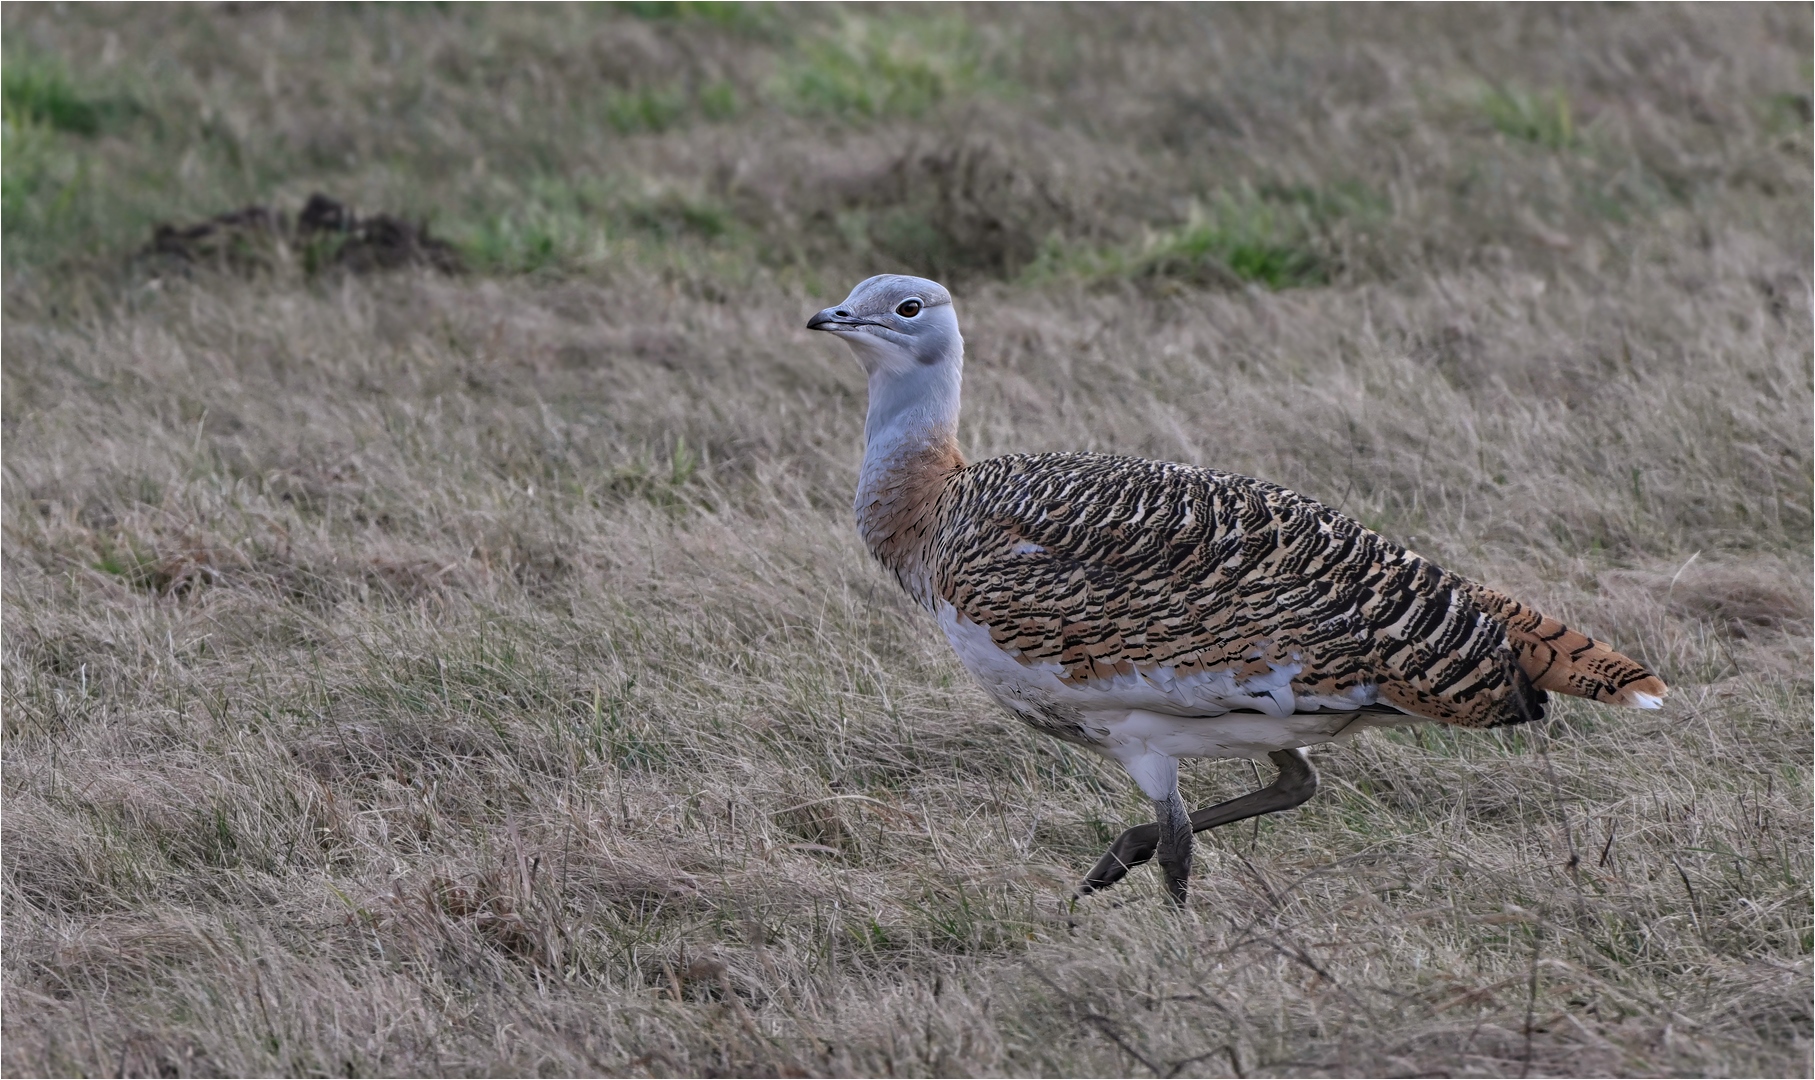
pixel 326 235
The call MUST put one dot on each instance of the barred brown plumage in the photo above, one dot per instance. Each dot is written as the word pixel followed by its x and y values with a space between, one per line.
pixel 1148 564
pixel 1153 611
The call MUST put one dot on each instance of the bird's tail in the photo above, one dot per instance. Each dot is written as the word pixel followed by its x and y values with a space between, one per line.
pixel 1566 661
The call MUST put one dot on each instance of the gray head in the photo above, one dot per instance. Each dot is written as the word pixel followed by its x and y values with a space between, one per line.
pixel 896 324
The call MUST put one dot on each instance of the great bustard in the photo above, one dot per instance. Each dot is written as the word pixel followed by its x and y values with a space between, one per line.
pixel 1153 611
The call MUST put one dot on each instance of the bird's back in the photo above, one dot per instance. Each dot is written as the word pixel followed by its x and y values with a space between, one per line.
pixel 1109 567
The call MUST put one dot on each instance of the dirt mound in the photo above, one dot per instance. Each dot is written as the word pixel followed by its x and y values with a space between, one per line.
pixel 326 235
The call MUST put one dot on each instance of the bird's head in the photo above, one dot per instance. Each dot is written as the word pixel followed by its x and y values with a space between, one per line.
pixel 896 325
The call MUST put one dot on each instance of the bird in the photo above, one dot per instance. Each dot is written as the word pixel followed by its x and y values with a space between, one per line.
pixel 1153 611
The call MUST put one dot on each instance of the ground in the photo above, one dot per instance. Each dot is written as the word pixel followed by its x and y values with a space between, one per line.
pixel 436 640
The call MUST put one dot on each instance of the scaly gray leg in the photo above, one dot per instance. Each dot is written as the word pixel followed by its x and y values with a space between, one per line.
pixel 1297 782
pixel 1172 830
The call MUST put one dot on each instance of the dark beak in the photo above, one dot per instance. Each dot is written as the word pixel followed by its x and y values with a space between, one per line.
pixel 834 319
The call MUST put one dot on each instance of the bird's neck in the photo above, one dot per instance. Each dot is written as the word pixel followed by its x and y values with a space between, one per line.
pixel 910 450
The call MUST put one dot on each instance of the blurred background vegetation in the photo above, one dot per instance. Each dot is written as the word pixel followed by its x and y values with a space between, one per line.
pixel 718 141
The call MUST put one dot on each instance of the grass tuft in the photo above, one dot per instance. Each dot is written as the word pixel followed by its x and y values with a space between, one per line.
pixel 1276 237
pixel 1545 119
pixel 730 13
pixel 1237 241
pixel 35 94
pixel 645 109
pixel 875 68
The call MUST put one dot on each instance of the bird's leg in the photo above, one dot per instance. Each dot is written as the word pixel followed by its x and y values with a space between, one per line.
pixel 1175 844
pixel 1297 782
pixel 1157 774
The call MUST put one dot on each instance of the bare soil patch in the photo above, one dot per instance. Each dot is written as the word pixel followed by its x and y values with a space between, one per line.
pixel 324 235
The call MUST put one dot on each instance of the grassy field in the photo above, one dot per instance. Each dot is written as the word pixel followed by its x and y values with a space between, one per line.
pixel 476 671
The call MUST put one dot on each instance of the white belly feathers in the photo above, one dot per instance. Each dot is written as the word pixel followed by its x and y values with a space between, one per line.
pixel 1207 714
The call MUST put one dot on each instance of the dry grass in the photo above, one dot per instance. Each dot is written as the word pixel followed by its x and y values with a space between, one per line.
pixel 480 674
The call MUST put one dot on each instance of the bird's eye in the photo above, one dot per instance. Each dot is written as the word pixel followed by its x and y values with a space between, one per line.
pixel 908 309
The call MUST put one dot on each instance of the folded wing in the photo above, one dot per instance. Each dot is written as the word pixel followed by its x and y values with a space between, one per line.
pixel 1109 566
